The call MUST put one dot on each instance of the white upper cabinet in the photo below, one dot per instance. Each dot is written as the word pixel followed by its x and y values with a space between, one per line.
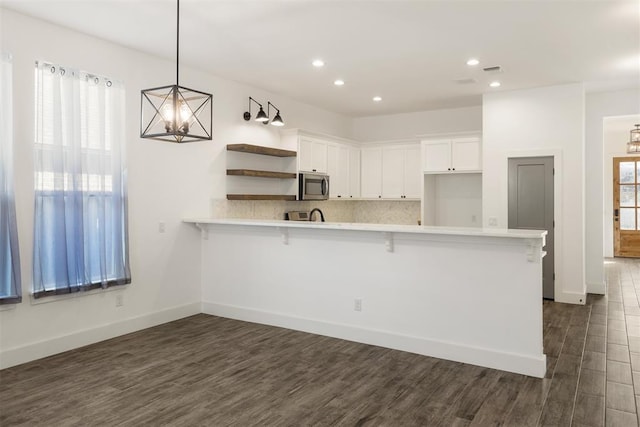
pixel 371 173
pixel 391 172
pixel 453 155
pixel 335 156
pixel 401 172
pixel 354 172
pixel 312 155
pixel 412 173
pixel 436 156
pixel 338 170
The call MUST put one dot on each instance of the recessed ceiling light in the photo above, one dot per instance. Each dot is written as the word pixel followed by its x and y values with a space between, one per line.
pixel 494 84
pixel 377 98
pixel 339 82
pixel 473 61
pixel 318 63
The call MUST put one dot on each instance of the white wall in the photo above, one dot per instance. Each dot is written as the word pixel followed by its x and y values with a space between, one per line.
pixel 409 125
pixel 599 106
pixel 166 183
pixel 535 122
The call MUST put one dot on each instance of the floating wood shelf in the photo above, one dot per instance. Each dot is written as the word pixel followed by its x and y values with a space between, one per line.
pixel 261 174
pixel 257 149
pixel 261 197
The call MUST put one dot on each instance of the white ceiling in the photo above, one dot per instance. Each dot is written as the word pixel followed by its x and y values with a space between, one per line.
pixel 407 52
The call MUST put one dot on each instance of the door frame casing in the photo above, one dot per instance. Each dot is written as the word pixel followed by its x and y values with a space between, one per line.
pixel 558 246
pixel 613 184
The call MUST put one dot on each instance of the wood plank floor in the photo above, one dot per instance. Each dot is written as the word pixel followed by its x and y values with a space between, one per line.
pixel 210 371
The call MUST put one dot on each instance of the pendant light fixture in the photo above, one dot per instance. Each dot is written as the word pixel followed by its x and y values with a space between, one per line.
pixel 176 113
pixel 633 146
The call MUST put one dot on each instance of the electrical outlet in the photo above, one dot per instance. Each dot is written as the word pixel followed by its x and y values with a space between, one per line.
pixel 357 304
pixel 493 221
pixel 162 226
pixel 119 300
pixel 474 219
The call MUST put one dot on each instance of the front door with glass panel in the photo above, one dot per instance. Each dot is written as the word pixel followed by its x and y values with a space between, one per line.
pixel 626 206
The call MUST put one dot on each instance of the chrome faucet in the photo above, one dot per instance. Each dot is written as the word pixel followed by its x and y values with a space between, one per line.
pixel 314 210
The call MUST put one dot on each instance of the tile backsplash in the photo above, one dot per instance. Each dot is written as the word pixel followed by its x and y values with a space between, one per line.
pixel 365 211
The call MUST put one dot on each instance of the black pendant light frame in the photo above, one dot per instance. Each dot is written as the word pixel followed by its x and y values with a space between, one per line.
pixel 633 146
pixel 188 113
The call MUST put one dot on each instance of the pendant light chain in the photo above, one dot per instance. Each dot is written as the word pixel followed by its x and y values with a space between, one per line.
pixel 178 43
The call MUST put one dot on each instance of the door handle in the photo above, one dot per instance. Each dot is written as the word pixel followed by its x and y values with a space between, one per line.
pixel 616 212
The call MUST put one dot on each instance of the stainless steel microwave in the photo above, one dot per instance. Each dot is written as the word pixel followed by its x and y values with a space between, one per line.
pixel 313 186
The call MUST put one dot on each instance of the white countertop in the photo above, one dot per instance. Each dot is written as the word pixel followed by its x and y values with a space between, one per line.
pixel 387 228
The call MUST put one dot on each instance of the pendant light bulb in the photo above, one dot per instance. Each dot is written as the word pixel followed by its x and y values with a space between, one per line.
pixel 185 112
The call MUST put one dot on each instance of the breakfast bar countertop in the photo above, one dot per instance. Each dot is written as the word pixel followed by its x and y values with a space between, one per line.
pixel 387 228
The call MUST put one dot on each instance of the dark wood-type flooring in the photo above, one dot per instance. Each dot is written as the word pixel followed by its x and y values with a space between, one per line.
pixel 210 371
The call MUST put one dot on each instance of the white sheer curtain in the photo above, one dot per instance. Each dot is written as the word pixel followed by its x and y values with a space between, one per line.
pixel 10 283
pixel 80 239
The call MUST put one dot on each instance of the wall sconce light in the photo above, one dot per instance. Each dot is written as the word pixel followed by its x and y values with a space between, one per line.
pixel 260 117
pixel 175 113
pixel 633 146
pixel 277 120
pixel 263 117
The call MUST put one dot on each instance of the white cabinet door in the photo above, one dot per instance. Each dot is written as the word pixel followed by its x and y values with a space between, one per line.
pixel 338 168
pixel 453 155
pixel 436 156
pixel 371 173
pixel 393 173
pixel 354 172
pixel 305 155
pixel 412 173
pixel 312 155
pixel 319 149
pixel 466 154
pixel 332 170
pixel 343 172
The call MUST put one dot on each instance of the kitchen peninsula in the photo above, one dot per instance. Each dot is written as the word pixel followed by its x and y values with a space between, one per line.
pixel 465 294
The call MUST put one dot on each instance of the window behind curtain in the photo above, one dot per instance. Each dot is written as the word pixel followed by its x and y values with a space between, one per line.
pixel 80 238
pixel 10 284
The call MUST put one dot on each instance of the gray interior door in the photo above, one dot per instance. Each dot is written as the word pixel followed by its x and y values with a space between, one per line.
pixel 531 206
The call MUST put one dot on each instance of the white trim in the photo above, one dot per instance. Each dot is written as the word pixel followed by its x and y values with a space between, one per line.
pixel 37 350
pixel 511 362
pixel 450 135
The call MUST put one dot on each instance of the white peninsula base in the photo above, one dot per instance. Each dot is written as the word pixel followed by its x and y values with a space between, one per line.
pixel 463 294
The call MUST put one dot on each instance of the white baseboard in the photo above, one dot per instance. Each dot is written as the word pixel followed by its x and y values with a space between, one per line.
pixel 534 365
pixel 27 353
